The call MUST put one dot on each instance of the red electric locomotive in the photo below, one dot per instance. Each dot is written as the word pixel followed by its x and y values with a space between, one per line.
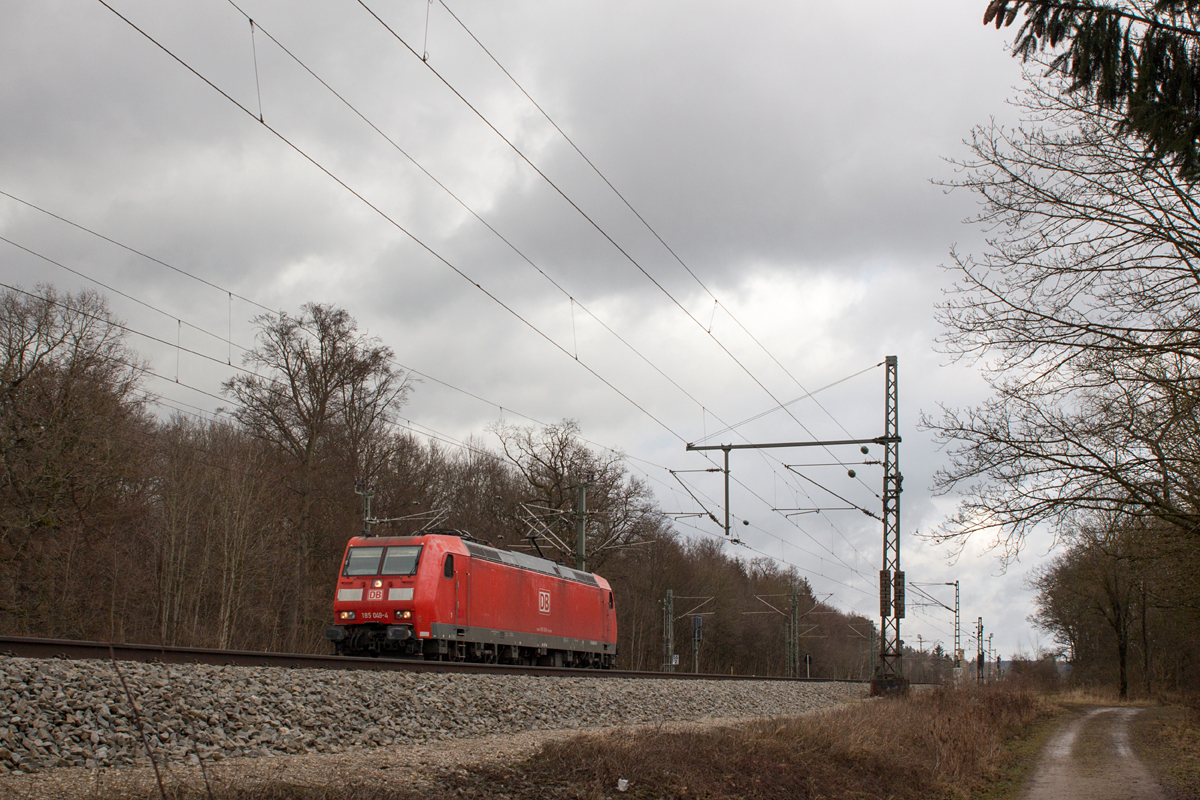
pixel 438 595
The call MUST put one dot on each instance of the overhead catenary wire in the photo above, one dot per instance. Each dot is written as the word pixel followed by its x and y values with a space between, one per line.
pixel 120 293
pixel 502 238
pixel 146 256
pixel 624 253
pixel 716 301
pixel 833 554
pixel 143 369
pixel 916 587
pixel 804 396
pixel 434 435
pixel 778 404
pixel 230 294
pixel 418 241
pixel 146 370
pixel 868 512
pixel 570 298
pixel 428 432
pixel 128 329
pixel 781 560
pixel 276 133
pixel 470 210
pixel 787 519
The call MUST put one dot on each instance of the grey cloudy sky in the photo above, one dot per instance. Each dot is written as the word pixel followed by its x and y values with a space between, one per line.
pixel 784 150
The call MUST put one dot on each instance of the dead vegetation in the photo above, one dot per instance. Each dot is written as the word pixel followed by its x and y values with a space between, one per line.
pixel 1168 740
pixel 937 744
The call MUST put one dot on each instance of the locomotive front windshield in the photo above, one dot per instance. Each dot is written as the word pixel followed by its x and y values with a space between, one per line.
pixel 399 560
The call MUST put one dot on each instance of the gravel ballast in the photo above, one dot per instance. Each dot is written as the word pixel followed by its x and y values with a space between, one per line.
pixel 57 713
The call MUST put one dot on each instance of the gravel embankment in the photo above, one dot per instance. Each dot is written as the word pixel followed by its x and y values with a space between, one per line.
pixel 75 713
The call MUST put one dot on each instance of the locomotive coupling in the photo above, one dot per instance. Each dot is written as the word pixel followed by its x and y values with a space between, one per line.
pixel 398 633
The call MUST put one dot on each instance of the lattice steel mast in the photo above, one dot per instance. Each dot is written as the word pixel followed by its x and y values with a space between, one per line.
pixel 889 671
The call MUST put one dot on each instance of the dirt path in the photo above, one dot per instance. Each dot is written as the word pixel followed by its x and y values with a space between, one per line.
pixel 1090 758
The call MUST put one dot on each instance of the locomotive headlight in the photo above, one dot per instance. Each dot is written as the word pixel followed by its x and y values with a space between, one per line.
pixel 403 614
pixel 378 584
pixel 345 615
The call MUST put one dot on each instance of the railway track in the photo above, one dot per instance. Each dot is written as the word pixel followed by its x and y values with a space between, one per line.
pixel 26 647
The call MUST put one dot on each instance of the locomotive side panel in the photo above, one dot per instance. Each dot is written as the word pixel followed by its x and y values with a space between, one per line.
pixel 513 599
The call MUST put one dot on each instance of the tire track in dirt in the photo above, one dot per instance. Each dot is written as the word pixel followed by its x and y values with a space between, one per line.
pixel 1091 758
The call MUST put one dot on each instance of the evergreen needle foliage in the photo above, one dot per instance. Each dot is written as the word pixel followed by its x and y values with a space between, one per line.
pixel 1139 58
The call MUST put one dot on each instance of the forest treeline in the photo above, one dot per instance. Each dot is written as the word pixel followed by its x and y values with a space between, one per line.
pixel 121 522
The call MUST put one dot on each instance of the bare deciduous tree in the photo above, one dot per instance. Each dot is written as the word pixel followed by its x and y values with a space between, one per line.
pixel 72 427
pixel 1083 312
pixel 555 461
pixel 1112 595
pixel 68 392
pixel 325 398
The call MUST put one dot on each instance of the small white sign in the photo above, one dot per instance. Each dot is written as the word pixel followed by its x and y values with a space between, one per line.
pixel 543 601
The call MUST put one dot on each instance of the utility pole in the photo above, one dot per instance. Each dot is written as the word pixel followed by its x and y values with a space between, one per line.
pixel 792 635
pixel 793 665
pixel 791 628
pixel 889 675
pixel 669 633
pixel 727 448
pixel 958 653
pixel 367 491
pixel 670 659
pixel 979 651
pixel 581 524
pixel 874 652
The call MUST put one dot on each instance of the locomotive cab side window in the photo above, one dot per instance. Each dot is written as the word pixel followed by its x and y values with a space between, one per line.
pixel 610 600
pixel 362 561
pixel 401 560
pixel 449 573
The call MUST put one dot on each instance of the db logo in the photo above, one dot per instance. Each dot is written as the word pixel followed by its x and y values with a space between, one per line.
pixel 543 601
pixel 375 594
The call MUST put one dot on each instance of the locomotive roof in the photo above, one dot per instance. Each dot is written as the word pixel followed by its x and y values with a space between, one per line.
pixel 510 557
pixel 526 561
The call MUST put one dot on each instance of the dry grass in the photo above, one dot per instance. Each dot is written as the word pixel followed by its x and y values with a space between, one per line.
pixel 278 791
pixel 935 744
pixel 1169 741
pixel 1100 696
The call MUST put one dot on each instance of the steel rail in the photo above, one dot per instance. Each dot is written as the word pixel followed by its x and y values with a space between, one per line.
pixel 26 647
